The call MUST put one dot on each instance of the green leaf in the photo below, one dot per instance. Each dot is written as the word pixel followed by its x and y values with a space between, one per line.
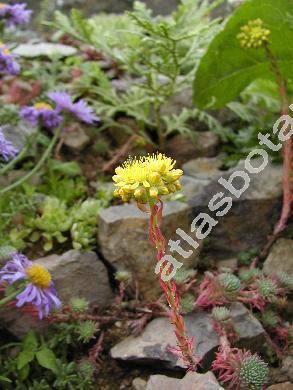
pixel 4 379
pixel 47 359
pixel 30 343
pixel 68 168
pixel 24 358
pixel 226 69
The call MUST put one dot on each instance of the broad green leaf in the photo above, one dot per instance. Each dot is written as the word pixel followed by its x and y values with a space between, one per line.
pixel 226 69
pixel 47 359
pixel 30 343
pixel 68 168
pixel 4 379
pixel 24 358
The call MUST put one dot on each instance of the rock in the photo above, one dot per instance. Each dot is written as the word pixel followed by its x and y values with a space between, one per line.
pixel 191 381
pixel 83 270
pixel 182 99
pixel 44 49
pixel 139 384
pixel 287 368
pixel 184 149
pixel 19 134
pixel 75 274
pixel 204 168
pixel 281 386
pixel 151 346
pixel 280 258
pixel 192 186
pixel 76 138
pixel 252 216
pixel 227 263
pixel 123 240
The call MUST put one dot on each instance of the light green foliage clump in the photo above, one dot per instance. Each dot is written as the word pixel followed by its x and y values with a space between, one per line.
pixel 267 289
pixel 86 330
pixel 161 53
pixel 269 318
pixel 79 305
pixel 253 372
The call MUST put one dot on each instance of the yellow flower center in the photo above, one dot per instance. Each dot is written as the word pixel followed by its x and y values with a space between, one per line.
pixel 39 276
pixel 2 5
pixel 4 49
pixel 43 106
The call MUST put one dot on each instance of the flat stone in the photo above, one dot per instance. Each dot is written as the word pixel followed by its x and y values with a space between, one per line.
pixel 75 274
pixel 19 134
pixel 151 346
pixel 139 384
pixel 192 186
pixel 281 386
pixel 280 258
pixel 191 381
pixel 44 49
pixel 252 216
pixel 123 240
pixel 76 139
pixel 204 168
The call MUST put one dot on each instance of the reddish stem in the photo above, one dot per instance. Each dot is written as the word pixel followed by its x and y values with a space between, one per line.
pixel 171 291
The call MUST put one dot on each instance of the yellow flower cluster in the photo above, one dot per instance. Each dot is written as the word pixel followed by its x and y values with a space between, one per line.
pixel 253 34
pixel 4 49
pixel 146 178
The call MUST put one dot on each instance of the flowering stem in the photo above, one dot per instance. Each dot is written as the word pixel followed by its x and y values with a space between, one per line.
pixel 38 165
pixel 10 297
pixel 171 291
pixel 287 147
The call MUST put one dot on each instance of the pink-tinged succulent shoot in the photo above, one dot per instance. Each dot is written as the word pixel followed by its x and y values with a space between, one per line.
pixel 15 14
pixel 35 284
pixel 218 290
pixel 240 369
pixel 7 150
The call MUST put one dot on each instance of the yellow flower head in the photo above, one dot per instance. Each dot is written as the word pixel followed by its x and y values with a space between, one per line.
pixel 147 178
pixel 2 5
pixel 253 34
pixel 39 276
pixel 4 49
pixel 42 106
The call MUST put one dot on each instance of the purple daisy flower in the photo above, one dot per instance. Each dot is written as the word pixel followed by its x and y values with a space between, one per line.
pixel 80 109
pixel 15 14
pixel 39 288
pixel 7 63
pixel 7 150
pixel 42 112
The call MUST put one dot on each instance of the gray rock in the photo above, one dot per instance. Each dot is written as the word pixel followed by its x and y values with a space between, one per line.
pixel 281 386
pixel 123 240
pixel 44 49
pixel 280 258
pixel 204 168
pixel 19 134
pixel 139 384
pixel 75 274
pixel 191 381
pixel 252 216
pixel 76 138
pixel 151 346
pixel 83 270
pixel 191 186
pixel 184 149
